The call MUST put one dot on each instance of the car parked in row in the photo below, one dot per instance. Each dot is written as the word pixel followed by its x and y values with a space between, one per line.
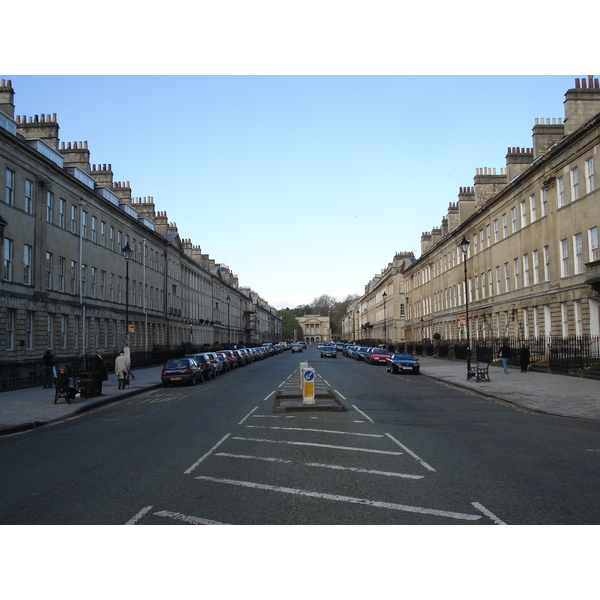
pixel 205 362
pixel 403 362
pixel 180 371
pixel 376 356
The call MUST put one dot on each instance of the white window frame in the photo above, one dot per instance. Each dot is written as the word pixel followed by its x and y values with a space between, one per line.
pixel 577 254
pixel 574 178
pixel 588 169
pixel 594 251
pixel 9 198
pixel 564 257
pixel 560 191
pixel 27 264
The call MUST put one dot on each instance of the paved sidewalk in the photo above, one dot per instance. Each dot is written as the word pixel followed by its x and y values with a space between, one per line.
pixel 544 392
pixel 32 407
pixel 561 395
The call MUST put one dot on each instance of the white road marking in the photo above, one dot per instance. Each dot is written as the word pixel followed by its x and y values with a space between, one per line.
pixel 430 468
pixel 137 517
pixel 348 499
pixel 206 455
pixel 340 395
pixel 488 513
pixel 370 450
pixel 186 518
pixel 363 414
pixel 317 430
pixel 248 415
pixel 265 458
pixel 265 399
pixel 370 471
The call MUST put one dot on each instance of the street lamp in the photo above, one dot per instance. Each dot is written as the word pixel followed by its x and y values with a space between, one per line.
pixel 127 252
pixel 464 246
pixel 228 300
pixel 384 296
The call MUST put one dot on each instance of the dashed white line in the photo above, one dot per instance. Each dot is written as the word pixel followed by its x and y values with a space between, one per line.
pixel 488 513
pixel 265 399
pixel 248 415
pixel 428 467
pixel 291 443
pixel 340 395
pixel 137 517
pixel 362 413
pixel 375 435
pixel 348 499
pixel 369 471
pixel 186 518
pixel 206 455
pixel 264 458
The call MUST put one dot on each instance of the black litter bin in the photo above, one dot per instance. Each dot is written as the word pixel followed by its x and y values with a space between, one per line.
pixel 89 380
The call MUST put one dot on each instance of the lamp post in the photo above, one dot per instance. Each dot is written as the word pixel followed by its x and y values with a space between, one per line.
pixel 127 251
pixel 228 300
pixel 384 296
pixel 464 246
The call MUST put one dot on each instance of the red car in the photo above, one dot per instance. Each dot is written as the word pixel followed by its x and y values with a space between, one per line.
pixel 377 356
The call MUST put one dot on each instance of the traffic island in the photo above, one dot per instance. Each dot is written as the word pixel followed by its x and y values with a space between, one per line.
pixel 324 400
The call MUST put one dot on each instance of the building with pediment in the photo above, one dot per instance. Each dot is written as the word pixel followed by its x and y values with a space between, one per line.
pixel 315 328
pixel 66 284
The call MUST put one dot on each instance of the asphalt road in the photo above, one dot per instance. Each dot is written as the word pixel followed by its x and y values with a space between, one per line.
pixel 408 450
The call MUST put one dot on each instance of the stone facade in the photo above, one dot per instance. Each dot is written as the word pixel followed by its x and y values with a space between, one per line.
pixel 533 260
pixel 66 284
pixel 315 328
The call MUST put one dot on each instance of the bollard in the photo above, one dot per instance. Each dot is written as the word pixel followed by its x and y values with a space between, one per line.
pixel 308 385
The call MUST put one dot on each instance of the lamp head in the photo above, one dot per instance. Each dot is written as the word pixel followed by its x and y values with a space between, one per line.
pixel 127 251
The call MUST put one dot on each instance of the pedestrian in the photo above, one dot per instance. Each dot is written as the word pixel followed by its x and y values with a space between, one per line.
pixel 49 369
pixel 100 370
pixel 524 357
pixel 505 355
pixel 122 370
pixel 63 382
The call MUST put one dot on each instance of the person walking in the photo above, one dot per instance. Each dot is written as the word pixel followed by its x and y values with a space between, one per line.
pixel 100 370
pixel 49 369
pixel 505 355
pixel 122 370
pixel 524 356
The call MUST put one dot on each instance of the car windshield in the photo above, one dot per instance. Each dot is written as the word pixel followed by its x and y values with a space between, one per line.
pixel 403 357
pixel 379 351
pixel 177 364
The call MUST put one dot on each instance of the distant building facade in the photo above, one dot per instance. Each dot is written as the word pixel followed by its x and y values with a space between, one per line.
pixel 65 282
pixel 315 328
pixel 533 262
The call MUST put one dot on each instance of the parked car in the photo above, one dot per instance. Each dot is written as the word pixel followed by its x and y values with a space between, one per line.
pixel 231 358
pixel 218 364
pixel 377 356
pixel 403 362
pixel 349 351
pixel 204 361
pixel 328 351
pixel 360 353
pixel 296 348
pixel 181 370
pixel 225 364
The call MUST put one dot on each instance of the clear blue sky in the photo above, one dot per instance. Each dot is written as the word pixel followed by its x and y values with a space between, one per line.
pixel 302 185
pixel 302 149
